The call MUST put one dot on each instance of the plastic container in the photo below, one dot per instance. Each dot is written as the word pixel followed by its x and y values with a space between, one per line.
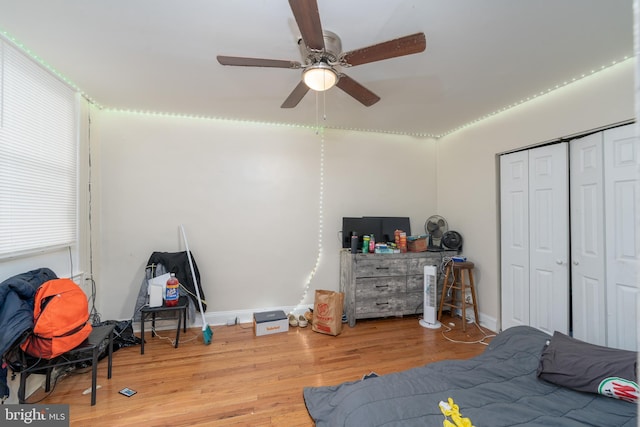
pixel 403 242
pixel 365 244
pixel 172 293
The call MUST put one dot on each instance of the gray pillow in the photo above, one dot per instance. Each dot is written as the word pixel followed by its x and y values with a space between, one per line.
pixel 581 366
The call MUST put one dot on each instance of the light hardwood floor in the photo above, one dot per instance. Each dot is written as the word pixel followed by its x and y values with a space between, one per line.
pixel 243 380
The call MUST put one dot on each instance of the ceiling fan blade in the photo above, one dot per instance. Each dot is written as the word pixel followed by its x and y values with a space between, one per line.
pixel 407 45
pixel 356 90
pixel 257 62
pixel 308 20
pixel 296 96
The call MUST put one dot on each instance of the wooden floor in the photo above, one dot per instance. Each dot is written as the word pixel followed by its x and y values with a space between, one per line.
pixel 243 380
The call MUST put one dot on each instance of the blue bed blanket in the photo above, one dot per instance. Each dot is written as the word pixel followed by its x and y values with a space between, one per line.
pixel 497 388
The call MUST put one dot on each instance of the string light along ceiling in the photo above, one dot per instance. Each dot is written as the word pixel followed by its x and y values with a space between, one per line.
pixel 14 41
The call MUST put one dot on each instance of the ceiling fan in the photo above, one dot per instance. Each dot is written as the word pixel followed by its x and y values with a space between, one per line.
pixel 323 57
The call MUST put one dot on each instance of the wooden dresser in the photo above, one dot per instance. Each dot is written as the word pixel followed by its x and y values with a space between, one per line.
pixel 381 285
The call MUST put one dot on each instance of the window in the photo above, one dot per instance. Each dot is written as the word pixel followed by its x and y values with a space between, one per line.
pixel 38 157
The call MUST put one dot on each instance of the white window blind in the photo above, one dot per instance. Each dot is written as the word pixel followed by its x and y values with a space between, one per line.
pixel 38 157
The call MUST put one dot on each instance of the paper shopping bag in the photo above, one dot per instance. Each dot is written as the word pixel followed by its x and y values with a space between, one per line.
pixel 327 312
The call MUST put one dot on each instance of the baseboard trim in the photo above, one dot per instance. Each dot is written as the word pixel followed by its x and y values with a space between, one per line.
pixel 221 318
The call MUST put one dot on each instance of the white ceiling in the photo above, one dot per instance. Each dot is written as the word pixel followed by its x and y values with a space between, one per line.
pixel 481 56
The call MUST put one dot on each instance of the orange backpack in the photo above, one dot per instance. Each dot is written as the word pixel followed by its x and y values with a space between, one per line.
pixel 60 317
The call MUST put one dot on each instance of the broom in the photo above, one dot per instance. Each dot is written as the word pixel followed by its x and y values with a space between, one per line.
pixel 207 333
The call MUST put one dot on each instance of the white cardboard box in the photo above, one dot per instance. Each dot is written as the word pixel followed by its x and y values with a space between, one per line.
pixel 156 295
pixel 156 289
pixel 270 322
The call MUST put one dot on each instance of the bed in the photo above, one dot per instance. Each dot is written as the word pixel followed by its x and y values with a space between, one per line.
pixel 497 388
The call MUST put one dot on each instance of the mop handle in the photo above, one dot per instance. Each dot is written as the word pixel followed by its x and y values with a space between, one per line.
pixel 193 274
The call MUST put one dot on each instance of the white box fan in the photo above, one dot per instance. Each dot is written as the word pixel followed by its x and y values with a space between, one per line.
pixel 430 296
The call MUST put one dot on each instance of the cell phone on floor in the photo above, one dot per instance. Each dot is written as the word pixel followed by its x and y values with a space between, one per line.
pixel 127 392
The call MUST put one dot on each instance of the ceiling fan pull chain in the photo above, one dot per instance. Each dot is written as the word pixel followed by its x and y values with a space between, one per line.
pixel 317 113
pixel 324 106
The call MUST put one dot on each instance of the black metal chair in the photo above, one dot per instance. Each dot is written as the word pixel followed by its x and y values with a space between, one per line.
pixel 180 309
pixel 87 351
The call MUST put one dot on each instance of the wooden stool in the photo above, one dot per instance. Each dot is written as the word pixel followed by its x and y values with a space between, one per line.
pixel 454 282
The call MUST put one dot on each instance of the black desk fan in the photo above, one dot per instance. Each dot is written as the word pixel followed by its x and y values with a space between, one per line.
pixel 452 240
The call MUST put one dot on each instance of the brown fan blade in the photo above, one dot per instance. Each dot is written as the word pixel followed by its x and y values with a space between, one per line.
pixel 257 62
pixel 308 20
pixel 407 45
pixel 356 90
pixel 296 96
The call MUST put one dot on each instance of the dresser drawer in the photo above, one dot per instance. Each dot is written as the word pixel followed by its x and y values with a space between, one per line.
pixel 379 307
pixel 374 287
pixel 380 267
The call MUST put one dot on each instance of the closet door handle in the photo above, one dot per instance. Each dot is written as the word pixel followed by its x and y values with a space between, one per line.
pixel 560 261
pixel 576 262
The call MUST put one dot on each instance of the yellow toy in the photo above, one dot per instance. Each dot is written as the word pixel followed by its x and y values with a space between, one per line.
pixel 450 409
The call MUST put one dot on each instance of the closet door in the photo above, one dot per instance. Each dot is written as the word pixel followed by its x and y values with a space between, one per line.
pixel 514 214
pixel 587 240
pixel 534 214
pixel 622 198
pixel 549 238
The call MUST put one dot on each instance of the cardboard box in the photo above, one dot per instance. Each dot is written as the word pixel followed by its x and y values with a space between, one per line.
pixel 417 244
pixel 270 322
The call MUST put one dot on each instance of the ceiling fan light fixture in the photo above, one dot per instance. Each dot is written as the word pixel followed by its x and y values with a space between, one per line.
pixel 320 77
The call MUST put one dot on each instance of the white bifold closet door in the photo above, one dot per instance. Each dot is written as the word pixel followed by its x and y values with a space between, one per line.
pixel 514 214
pixel 622 204
pixel 605 195
pixel 604 211
pixel 588 280
pixel 534 194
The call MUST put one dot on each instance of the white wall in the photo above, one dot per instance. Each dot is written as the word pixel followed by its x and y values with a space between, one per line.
pixel 249 198
pixel 248 194
pixel 467 162
pixel 59 261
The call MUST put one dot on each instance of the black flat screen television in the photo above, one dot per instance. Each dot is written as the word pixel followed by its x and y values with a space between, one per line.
pixel 359 227
pixel 389 225
pixel 382 227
